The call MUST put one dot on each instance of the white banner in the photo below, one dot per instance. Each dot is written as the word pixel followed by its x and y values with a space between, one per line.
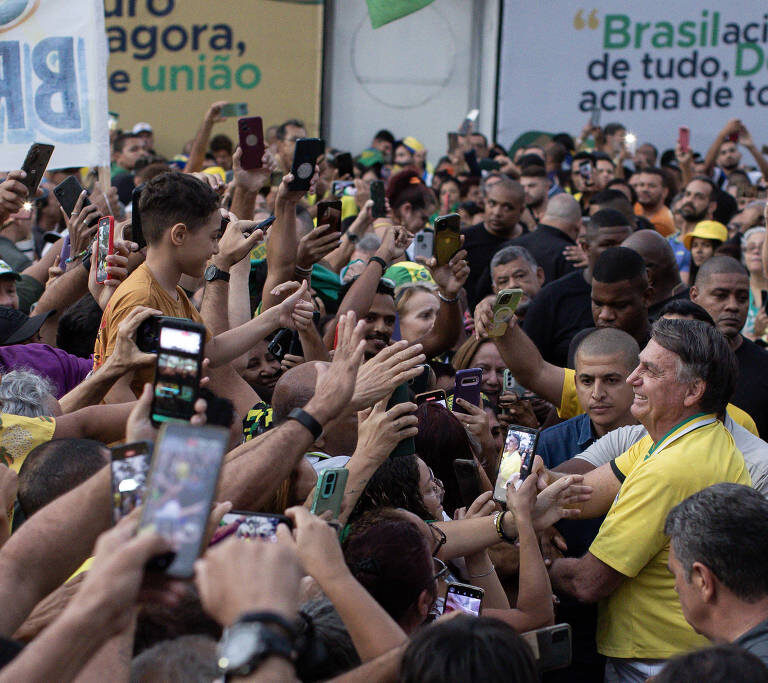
pixel 53 66
pixel 652 66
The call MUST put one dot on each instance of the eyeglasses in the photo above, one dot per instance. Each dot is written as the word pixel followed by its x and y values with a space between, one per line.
pixel 441 569
pixel 438 488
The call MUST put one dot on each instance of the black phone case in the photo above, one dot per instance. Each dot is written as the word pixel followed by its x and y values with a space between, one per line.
pixel 304 159
pixel 402 394
pixel 281 343
pixel 344 164
pixel 329 212
pixel 378 195
pixel 34 165
pixel 67 193
pixel 137 234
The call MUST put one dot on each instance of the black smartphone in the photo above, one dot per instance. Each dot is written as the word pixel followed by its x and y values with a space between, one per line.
pixel 329 213
pixel 296 349
pixel 177 370
pixel 517 456
pixel 129 467
pixel 447 237
pixel 34 166
pixel 420 383
pixel 764 299
pixel 343 162
pixel 402 394
pixel 437 396
pixel 378 194
pixel 137 234
pixel 67 192
pixel 468 480
pixel 263 226
pixel 281 343
pixel 251 136
pixel 461 597
pixel 305 156
pixel 180 490
pixel 242 524
pixel 466 385
pixel 551 646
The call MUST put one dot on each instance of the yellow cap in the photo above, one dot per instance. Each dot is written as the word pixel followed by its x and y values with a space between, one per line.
pixel 413 144
pixel 709 230
pixel 217 170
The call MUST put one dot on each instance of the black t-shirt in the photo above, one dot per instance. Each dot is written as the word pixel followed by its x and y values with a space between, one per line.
pixel 481 245
pixel 655 309
pixel 560 310
pixel 546 245
pixel 751 392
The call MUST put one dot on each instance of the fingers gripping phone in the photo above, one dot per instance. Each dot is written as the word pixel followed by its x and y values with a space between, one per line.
pixel 402 394
pixel 517 457
pixel 34 166
pixel 129 467
pixel 504 308
pixel 178 369
pixel 250 525
pixel 251 136
pixel 461 597
pixel 305 156
pixel 378 195
pixel 329 213
pixel 181 488
pixel 447 237
pixel 105 245
pixel 468 480
pixel 466 385
pixel 67 192
pixel 329 491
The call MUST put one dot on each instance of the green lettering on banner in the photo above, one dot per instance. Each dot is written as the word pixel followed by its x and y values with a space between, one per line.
pixel 741 70
pixel 616 25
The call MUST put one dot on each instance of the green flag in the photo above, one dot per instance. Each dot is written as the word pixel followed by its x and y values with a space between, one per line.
pixel 384 11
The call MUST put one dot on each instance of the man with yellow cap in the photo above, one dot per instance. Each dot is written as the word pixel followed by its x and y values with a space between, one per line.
pixel 410 152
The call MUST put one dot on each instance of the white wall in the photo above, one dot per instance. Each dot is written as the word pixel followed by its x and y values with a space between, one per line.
pixel 416 76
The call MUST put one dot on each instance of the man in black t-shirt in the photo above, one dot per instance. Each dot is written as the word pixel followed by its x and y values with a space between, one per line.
pixel 722 289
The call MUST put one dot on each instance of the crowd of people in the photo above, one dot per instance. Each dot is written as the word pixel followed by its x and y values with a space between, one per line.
pixel 635 362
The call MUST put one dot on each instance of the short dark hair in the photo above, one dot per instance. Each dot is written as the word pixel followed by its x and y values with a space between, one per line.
pixel 725 528
pixel 624 183
pixel 477 133
pixel 468 649
pixel 653 170
pixel 602 156
pixel 719 264
pixel 609 341
pixel 688 308
pixel 583 156
pixel 221 141
pixel 385 135
pixel 704 354
pixel 613 128
pixel 79 327
pixel 121 140
pixel 718 663
pixel 713 192
pixel 607 195
pixel 55 467
pixel 533 171
pixel 282 129
pixel 616 264
pixel 175 197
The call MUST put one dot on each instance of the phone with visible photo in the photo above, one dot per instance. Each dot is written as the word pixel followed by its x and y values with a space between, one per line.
pixel 233 109
pixel 461 597
pixel 129 466
pixel 250 525
pixel 516 458
pixel 105 246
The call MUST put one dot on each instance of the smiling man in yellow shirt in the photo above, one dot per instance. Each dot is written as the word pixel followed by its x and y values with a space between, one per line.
pixel 686 374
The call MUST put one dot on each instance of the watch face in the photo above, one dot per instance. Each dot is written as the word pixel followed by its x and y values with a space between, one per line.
pixel 239 646
pixel 210 271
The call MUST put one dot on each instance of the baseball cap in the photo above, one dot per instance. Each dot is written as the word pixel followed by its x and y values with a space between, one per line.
pixel 6 270
pixel 709 230
pixel 369 157
pixel 412 144
pixel 16 327
pixel 141 128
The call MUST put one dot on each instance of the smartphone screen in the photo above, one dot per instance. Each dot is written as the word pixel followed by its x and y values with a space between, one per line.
pixel 251 525
pixel 517 457
pixel 463 598
pixel 437 396
pixel 129 467
pixel 329 213
pixel 343 188
pixel 378 196
pixel 182 484
pixel 105 246
pixel 177 372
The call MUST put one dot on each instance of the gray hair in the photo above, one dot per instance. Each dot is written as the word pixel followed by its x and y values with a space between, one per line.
pixel 24 392
pixel 703 354
pixel 725 528
pixel 509 254
pixel 369 243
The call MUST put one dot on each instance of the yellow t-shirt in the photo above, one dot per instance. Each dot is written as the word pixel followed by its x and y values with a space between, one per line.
pixel 19 435
pixel 140 288
pixel 643 618
pixel 570 407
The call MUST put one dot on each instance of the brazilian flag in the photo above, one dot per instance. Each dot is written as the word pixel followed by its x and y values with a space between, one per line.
pixel 384 11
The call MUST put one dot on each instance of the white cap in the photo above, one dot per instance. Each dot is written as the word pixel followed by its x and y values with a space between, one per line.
pixel 141 128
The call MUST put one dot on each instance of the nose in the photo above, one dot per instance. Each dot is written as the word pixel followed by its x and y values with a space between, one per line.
pixel 634 378
pixel 732 304
pixel 598 390
pixel 607 314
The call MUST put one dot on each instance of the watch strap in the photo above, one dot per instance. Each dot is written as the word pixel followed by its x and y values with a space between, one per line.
pixel 218 274
pixel 273 645
pixel 290 627
pixel 306 420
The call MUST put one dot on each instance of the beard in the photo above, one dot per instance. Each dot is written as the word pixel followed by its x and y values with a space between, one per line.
pixel 688 211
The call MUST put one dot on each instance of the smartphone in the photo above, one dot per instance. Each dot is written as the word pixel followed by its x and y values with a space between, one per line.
pixel 263 226
pixel 378 194
pixel 467 479
pixel 343 188
pixel 466 125
pixel 402 394
pixel 424 244
pixel 295 348
pixel 329 491
pixel 105 245
pixel 551 646
pixel 466 385
pixel 250 525
pixel 137 234
pixel 453 142
pixel 129 466
pixel 251 133
pixel 67 192
pixel 733 137
pixel 517 456
pixel 281 343
pixel 305 156
pixel 594 117
pixel 764 299
pixel 461 597
pixel 343 163
pixel 177 369
pixel 34 166
pixel 585 171
pixel 684 138
pixel 234 109
pixel 420 383
pixel 329 213
pixel 180 490
pixel 503 309
pixel 437 396
pixel 447 237
pixel 511 385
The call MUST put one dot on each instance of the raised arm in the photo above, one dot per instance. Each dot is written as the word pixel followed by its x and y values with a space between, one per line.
pixel 731 128
pixel 745 138
pixel 200 143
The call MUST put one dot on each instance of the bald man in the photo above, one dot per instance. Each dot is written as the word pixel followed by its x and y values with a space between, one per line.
pixel 661 267
pixel 558 229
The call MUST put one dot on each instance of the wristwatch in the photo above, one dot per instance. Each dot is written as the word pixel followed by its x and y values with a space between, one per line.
pixel 213 273
pixel 245 644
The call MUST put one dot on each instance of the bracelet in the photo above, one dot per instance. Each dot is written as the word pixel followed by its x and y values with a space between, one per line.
pixel 87 260
pixel 480 576
pixel 306 420
pixel 446 299
pixel 71 259
pixel 500 529
pixel 380 261
pixel 305 272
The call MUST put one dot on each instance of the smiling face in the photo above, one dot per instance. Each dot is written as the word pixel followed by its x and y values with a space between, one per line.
pixel 488 359
pixel 378 324
pixel 263 371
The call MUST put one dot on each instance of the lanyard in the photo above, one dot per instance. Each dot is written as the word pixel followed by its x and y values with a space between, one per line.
pixel 693 422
